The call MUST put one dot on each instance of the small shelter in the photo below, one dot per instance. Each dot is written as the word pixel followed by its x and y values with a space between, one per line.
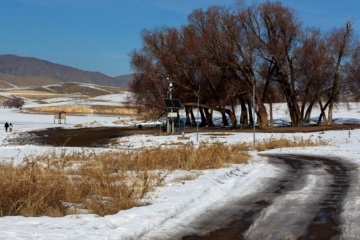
pixel 58 115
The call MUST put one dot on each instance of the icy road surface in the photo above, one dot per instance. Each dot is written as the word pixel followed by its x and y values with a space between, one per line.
pixel 304 201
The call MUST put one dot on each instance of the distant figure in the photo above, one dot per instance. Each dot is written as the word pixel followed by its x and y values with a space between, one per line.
pixel 10 127
pixel 6 126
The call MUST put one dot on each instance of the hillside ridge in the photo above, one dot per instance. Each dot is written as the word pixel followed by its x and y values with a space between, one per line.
pixel 17 66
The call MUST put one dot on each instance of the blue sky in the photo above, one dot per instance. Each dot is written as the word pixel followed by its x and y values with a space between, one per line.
pixel 98 35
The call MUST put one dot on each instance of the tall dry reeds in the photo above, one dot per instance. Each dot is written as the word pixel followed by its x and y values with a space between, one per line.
pixel 31 190
pixel 60 182
pixel 185 157
pixel 273 143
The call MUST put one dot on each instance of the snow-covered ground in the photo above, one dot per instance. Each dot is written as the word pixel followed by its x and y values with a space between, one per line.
pixel 176 206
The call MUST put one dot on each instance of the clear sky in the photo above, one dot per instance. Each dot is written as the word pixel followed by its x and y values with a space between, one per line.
pixel 98 35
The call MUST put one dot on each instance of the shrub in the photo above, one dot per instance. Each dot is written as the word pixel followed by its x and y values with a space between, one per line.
pixel 14 102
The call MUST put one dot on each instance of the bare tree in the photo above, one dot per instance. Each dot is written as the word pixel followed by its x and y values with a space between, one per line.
pixel 14 102
pixel 277 32
pixel 343 48
pixel 223 53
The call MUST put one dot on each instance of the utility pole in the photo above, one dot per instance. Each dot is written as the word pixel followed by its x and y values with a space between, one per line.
pixel 253 82
pixel 197 124
pixel 170 129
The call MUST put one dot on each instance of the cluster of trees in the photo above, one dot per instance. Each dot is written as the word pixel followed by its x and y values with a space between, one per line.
pixel 14 102
pixel 222 53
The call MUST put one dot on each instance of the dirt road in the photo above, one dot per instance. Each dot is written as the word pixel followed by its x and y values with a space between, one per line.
pixel 304 202
pixel 101 136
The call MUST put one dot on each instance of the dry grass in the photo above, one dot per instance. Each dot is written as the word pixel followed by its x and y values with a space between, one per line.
pixel 187 177
pixel 28 91
pixel 34 94
pixel 114 90
pixel 39 102
pixel 56 190
pixel 187 157
pixel 50 96
pixel 287 143
pixel 3 99
pixel 87 110
pixel 157 132
pixel 169 143
pixel 60 183
pixel 218 134
pixel 27 81
pixel 150 113
pixel 117 142
pixel 121 121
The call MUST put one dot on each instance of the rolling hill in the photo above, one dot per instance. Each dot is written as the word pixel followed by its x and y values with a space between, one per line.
pixel 7 81
pixel 36 69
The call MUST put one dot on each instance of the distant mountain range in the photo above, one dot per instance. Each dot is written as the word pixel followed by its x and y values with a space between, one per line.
pixel 33 69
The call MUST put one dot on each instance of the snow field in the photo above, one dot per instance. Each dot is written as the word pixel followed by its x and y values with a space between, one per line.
pixel 177 207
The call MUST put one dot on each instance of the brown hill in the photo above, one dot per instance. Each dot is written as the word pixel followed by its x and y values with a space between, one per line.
pixel 7 81
pixel 33 67
pixel 81 89
pixel 78 89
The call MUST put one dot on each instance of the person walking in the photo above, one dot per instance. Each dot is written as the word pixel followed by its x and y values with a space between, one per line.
pixel 10 127
pixel 6 126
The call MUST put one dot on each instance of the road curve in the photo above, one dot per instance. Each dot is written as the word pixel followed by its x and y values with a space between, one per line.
pixel 304 202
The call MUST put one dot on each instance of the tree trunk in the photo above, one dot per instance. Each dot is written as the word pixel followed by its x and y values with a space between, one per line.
pixel 262 116
pixel 232 117
pixel 244 115
pixel 187 115
pixel 293 106
pixel 250 114
pixel 271 114
pixel 322 114
pixel 224 118
pixel 330 113
pixel 303 103
pixel 203 119
pixel 209 121
pixel 193 119
pixel 345 41
pixel 295 115
pixel 307 116
pixel 233 110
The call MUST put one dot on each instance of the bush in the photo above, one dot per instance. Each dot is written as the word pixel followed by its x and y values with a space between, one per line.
pixel 15 102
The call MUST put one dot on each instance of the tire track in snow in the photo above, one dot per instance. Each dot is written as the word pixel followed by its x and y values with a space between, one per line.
pixel 305 204
pixel 212 211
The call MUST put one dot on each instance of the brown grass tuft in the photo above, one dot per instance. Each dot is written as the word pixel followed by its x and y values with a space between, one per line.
pixel 187 177
pixel 286 143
